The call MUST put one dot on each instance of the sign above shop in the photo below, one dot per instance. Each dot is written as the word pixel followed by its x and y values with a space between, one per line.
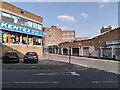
pixel 21 29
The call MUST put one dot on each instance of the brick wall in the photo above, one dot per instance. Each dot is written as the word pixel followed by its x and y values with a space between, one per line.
pixel 17 11
pixel 53 31
pixel 96 41
pixel 22 49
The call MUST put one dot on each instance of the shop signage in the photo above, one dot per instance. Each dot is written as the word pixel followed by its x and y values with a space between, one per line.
pixel 16 28
pixel 113 42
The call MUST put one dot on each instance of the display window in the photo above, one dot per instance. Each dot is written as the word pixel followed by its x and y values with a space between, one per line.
pixel 17 38
pixel 4 37
pixel 9 38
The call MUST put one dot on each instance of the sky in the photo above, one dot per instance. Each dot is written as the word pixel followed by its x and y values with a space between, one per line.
pixel 86 18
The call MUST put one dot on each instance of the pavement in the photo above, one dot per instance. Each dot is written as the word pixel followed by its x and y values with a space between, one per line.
pixel 102 64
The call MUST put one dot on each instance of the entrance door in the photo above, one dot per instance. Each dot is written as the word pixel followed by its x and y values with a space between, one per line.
pixel 75 51
pixel 86 51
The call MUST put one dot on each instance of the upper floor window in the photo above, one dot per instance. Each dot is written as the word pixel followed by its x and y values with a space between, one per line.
pixel 29 24
pixel 6 17
pixel 19 20
pixel 35 25
pixel 15 19
pixel 39 26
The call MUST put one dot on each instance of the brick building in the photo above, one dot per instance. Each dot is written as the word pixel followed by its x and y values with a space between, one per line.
pixel 105 45
pixel 20 30
pixel 68 35
pixel 53 36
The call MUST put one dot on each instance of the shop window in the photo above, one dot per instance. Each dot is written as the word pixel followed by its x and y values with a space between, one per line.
pixel 39 41
pixel 13 38
pixel 17 38
pixel 4 37
pixel 9 38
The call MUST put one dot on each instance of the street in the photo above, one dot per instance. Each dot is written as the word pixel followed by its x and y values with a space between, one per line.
pixel 54 74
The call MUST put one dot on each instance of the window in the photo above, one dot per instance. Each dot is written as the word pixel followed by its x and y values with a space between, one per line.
pixel 35 25
pixel 15 19
pixel 21 21
pixel 25 22
pixel 72 33
pixel 6 17
pixel 68 33
pixel 29 24
pixel 39 26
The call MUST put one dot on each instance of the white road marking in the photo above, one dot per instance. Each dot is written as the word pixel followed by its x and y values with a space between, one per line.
pixel 33 66
pixel 45 74
pixel 28 82
pixel 75 74
pixel 51 74
pixel 104 81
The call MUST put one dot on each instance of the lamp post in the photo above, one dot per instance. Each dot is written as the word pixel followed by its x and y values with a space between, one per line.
pixel 69 49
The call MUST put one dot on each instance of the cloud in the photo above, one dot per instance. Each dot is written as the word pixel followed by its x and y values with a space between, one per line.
pixel 66 18
pixel 64 28
pixel 102 3
pixel 84 15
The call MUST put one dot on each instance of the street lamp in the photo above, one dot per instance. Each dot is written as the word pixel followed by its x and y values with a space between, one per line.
pixel 69 49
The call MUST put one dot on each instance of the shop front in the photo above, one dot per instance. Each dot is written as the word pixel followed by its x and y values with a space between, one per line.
pixel 20 39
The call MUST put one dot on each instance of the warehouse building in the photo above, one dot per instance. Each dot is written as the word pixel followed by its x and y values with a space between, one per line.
pixel 105 45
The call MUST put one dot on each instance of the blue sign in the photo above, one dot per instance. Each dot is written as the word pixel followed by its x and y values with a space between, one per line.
pixel 15 28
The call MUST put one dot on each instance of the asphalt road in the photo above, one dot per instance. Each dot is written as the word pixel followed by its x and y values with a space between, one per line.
pixel 53 74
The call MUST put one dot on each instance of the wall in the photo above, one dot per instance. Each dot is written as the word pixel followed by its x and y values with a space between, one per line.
pixel 22 49
pixel 17 11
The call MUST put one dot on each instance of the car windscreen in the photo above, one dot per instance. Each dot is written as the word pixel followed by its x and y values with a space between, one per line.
pixel 31 54
pixel 11 54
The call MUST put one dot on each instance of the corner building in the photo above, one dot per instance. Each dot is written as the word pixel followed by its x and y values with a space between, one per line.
pixel 20 31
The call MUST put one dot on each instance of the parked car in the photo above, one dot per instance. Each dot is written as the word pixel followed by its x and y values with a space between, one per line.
pixel 10 57
pixel 31 57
